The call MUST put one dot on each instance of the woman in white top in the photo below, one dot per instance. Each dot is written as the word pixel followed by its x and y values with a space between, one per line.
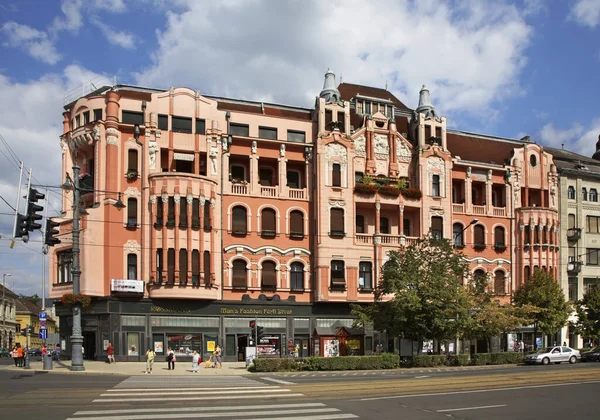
pixel 195 361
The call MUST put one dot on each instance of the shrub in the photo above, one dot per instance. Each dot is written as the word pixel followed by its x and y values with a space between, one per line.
pixel 412 193
pixel 277 365
pixel 72 298
pixel 361 188
pixel 504 358
pixel 384 361
pixel 428 360
pixel 389 190
pixel 458 360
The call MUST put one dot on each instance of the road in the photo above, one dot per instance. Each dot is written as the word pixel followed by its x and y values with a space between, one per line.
pixel 523 392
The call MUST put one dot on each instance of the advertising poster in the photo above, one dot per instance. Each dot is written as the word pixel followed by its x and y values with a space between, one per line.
pixel 158 347
pixel 269 345
pixel 210 346
pixel 331 348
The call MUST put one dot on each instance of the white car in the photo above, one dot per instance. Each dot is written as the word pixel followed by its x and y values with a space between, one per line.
pixel 556 354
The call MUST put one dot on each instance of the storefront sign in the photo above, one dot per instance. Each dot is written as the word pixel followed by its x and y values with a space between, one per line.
pixel 127 286
pixel 256 311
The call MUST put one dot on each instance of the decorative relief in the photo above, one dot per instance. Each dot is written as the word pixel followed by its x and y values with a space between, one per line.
pixel 189 199
pixel 436 211
pixel 132 246
pixel 336 150
pixel 153 199
pixel 282 150
pixel 132 192
pixel 468 172
pixel 336 203
pixel 360 145
pixel 382 148
pixel 152 150
pixel 435 163
pixel 254 147
pixel 213 159
pixel 177 198
pixel 131 144
pixel 64 146
pixel 402 151
pixel 213 203
pixel 112 136
pixel 202 200
pixel 489 175
pixel 377 240
pixel 165 198
pixel 96 132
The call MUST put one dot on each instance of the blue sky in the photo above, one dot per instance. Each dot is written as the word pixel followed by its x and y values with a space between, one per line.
pixel 506 68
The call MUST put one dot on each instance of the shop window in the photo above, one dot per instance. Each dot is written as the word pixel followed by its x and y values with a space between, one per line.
pixel 64 265
pixel 171 266
pixel 195 267
pixel 479 235
pixel 437 227
pixel 265 177
pixel 200 126
pixel 499 239
pixel 183 266
pixel 163 122
pixel 571 193
pixel 132 212
pixel 336 175
pixel 365 275
pixel 336 225
pixel 269 133
pixel 297 276
pixel 384 225
pixel 239 130
pixel 183 217
pixel 171 212
pixel 359 223
pixel 195 213
pixel 435 185
pixel 239 220
pixel 458 235
pixel 268 276
pixel 185 344
pixel 159 212
pixel 132 117
pixel 159 265
pixel 500 283
pixel 206 265
pixel 133 344
pixel 338 275
pixel 132 163
pixel 132 267
pixel 296 224
pixel 181 125
pixel 206 216
pixel 268 223
pixel 239 274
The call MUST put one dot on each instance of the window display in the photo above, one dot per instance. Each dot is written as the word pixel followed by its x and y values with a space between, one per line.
pixel 133 343
pixel 269 345
pixel 184 344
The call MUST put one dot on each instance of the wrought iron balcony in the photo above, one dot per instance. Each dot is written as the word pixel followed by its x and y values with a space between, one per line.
pixel 574 267
pixel 574 234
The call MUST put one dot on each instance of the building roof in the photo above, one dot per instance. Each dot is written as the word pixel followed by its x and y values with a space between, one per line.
pixel 567 161
pixel 349 91
pixel 9 294
pixel 25 306
pixel 480 148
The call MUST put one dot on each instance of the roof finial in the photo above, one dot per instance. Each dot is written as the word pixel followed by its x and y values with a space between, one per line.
pixel 425 106
pixel 596 155
pixel 386 84
pixel 330 91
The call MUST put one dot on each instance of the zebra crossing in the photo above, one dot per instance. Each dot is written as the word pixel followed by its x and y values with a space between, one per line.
pixel 185 397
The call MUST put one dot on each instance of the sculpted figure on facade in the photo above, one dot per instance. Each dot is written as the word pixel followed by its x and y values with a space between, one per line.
pixel 359 145
pixel 336 150
pixel 213 159
pixel 382 148
pixel 402 151
pixel 282 150
pixel 253 147
pixel 152 150
pixel 96 132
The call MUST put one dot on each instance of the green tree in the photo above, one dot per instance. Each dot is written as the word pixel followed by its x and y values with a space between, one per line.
pixel 588 315
pixel 420 295
pixel 488 317
pixel 550 309
pixel 33 298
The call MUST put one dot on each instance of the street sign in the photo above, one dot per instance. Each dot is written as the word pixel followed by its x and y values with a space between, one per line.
pixel 44 333
pixel 42 323
pixel 43 315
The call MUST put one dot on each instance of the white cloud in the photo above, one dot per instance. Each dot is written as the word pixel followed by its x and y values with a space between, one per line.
pixel 121 38
pixel 115 6
pixel 34 42
pixel 586 13
pixel 534 7
pixel 71 20
pixel 470 56
pixel 577 138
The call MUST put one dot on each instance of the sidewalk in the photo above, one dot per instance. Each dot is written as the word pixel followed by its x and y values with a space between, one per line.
pixel 133 368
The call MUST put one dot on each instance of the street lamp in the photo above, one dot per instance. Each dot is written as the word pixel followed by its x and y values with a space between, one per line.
pixel 471 223
pixel 76 335
pixel 4 308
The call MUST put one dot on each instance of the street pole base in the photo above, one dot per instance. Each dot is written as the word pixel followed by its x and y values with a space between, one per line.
pixel 76 368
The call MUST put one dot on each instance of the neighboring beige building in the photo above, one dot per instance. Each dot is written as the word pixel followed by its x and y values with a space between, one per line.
pixel 8 325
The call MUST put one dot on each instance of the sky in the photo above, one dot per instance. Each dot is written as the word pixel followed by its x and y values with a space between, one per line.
pixel 506 68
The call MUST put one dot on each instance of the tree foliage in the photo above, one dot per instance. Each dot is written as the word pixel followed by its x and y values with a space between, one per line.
pixel 33 298
pixel 545 295
pixel 588 315
pixel 420 294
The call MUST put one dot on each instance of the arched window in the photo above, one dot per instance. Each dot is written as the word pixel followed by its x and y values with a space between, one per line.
pixel 267 218
pixel 238 274
pixel 480 280
pixel 584 194
pixel 239 221
pixel 458 235
pixel 499 237
pixel 571 193
pixel 183 266
pixel 132 212
pixel 479 236
pixel 131 267
pixel 297 276
pixel 593 195
pixel 435 185
pixel 195 267
pixel 269 276
pixel 296 224
pixel 359 223
pixel 384 225
pixel 336 223
pixel 336 175
pixel 132 163
pixel 437 227
pixel 499 283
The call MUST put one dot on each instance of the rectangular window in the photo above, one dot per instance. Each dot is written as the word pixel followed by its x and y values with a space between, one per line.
pixel 573 289
pixel 269 133
pixel 131 267
pixel 183 269
pixel 132 212
pixel 86 117
pixel 297 276
pixel 195 267
pixel 163 122
pixel 132 117
pixel 336 227
pixel 296 136
pixel 592 256
pixel 195 213
pixel 359 223
pixel 435 185
pixel 293 179
pixel 97 114
pixel 571 221
pixel 239 130
pixel 183 217
pixel 206 216
pixel 159 265
pixel 206 266
pixel 64 264
pixel 171 212
pixel 365 276
pixel 159 212
pixel 572 253
pixel 328 118
pixel 437 227
pixel 384 225
pixel 367 107
pixel 200 126
pixel 132 161
pixel 359 107
pixel 181 124
pixel 592 224
pixel 589 284
pixel 338 275
pixel 336 175
pixel 171 265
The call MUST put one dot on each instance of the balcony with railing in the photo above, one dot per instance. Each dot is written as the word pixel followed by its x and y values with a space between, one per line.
pixel 385 240
pixel 458 207
pixel 574 267
pixel 574 234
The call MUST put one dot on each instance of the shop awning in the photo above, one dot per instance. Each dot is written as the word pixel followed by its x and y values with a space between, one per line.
pixel 184 156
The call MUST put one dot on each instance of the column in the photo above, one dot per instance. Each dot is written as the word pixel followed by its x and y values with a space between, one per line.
pixel 468 195
pixel 282 169
pixel 112 141
pixel 488 193
pixel 177 244
pixel 254 188
pixel 401 224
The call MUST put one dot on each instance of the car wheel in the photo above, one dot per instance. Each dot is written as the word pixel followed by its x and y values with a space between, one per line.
pixel 572 359
pixel 546 361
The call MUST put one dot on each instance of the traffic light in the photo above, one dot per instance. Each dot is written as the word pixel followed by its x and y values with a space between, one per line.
pixel 32 209
pixel 22 230
pixel 51 230
pixel 259 333
pixel 252 324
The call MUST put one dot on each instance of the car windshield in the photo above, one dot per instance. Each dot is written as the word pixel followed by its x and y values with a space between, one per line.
pixel 546 350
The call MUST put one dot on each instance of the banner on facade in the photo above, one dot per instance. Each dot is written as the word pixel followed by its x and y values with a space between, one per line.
pixel 127 286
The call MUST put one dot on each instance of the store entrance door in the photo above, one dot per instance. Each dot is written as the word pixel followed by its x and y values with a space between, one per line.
pixel 89 345
pixel 242 343
pixel 301 343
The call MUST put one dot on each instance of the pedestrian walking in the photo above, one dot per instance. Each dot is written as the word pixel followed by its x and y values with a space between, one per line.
pixel 57 351
pixel 170 359
pixel 195 361
pixel 15 355
pixel 218 352
pixel 150 355
pixel 20 355
pixel 110 350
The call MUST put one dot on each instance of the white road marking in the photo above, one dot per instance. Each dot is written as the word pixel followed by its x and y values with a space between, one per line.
pixel 185 409
pixel 279 381
pixel 198 398
pixel 471 408
pixel 212 392
pixel 421 377
pixel 475 391
pixel 330 417
pixel 189 389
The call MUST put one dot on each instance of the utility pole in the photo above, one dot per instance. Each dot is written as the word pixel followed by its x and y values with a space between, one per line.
pixel 44 253
pixel 76 337
pixel 18 198
pixel 4 308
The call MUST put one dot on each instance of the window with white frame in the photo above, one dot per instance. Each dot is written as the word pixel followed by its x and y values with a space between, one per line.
pixel 131 267
pixel 365 275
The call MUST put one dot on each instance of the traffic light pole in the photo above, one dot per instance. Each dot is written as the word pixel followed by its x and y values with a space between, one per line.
pixel 27 366
pixel 18 197
pixel 76 337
